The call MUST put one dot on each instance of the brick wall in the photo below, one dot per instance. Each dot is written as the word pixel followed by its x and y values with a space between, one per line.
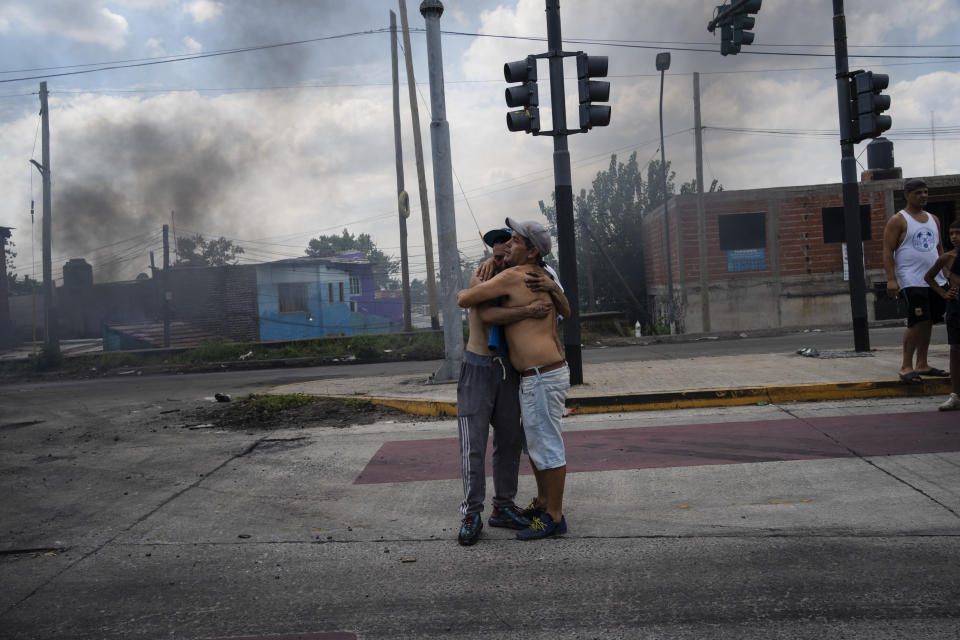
pixel 222 300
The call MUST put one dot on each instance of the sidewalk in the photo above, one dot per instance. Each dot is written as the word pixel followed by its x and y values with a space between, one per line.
pixel 637 385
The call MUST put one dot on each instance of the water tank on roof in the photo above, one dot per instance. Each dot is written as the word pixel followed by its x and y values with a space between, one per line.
pixel 880 154
pixel 77 274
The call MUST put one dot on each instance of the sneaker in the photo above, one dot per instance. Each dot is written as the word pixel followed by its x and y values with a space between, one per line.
pixel 532 510
pixel 952 403
pixel 509 517
pixel 543 526
pixel 470 529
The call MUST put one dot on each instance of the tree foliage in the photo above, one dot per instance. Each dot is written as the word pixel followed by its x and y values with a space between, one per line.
pixel 608 220
pixel 328 246
pixel 196 251
pixel 16 286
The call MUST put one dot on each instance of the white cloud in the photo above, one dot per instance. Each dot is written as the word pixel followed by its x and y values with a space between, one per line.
pixel 155 47
pixel 203 10
pixel 192 45
pixel 86 22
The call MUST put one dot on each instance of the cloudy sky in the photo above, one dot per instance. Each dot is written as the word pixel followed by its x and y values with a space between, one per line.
pixel 278 144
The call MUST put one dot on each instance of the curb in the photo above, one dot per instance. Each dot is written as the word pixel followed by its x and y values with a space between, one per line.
pixel 697 398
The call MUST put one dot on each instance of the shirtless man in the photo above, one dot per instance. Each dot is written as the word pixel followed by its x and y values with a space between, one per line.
pixel 536 352
pixel 911 245
pixel 487 395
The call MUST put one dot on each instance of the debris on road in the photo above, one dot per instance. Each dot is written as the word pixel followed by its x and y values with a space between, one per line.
pixel 222 397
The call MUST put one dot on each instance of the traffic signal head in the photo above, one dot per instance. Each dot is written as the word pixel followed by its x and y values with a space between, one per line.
pixel 736 25
pixel 593 115
pixel 867 103
pixel 522 95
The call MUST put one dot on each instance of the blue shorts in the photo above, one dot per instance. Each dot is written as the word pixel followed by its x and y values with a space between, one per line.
pixel 542 399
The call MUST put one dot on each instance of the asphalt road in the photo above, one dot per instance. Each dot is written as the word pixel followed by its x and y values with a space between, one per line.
pixel 118 522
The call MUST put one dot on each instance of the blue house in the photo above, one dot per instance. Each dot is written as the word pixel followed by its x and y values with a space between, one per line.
pixel 316 297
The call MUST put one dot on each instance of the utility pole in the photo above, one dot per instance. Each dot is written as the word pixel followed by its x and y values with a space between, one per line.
pixel 51 333
pixel 450 280
pixel 663 63
pixel 403 200
pixel 701 210
pixel 421 177
pixel 6 327
pixel 851 191
pixel 164 285
pixel 563 191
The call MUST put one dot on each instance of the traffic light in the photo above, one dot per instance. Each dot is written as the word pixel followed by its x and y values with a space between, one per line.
pixel 523 95
pixel 867 103
pixel 593 115
pixel 735 25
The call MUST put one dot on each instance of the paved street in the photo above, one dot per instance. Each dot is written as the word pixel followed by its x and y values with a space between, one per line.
pixel 795 520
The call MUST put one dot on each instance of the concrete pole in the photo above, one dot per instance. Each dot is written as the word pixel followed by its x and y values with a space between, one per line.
pixel 421 177
pixel 403 203
pixel 165 285
pixel 450 280
pixel 701 211
pixel 6 327
pixel 666 214
pixel 50 328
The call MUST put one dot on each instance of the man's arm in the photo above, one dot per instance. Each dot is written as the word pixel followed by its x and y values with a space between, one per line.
pixel 891 239
pixel 494 315
pixel 485 270
pixel 492 289
pixel 540 282
pixel 931 276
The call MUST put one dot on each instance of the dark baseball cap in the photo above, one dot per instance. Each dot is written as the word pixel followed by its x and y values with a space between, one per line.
pixel 913 184
pixel 494 236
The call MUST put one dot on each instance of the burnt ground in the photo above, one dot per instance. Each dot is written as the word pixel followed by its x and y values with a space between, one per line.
pixel 320 413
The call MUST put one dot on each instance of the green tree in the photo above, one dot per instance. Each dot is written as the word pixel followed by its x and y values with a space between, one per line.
pixel 196 251
pixel 15 285
pixel 328 246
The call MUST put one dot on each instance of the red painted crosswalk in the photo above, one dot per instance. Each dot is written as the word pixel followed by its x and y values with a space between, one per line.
pixel 695 444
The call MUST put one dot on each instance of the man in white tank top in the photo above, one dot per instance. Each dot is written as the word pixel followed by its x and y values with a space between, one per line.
pixel 911 245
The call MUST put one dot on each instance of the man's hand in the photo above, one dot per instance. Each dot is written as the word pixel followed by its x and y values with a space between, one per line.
pixel 952 293
pixel 892 288
pixel 486 270
pixel 538 309
pixel 539 282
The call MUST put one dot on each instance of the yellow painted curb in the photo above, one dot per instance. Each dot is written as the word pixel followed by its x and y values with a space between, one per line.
pixel 697 398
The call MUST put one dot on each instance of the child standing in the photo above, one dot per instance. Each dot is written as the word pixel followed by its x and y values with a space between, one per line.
pixel 950 266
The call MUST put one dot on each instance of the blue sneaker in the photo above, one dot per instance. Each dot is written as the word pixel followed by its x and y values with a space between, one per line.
pixel 532 510
pixel 470 529
pixel 509 517
pixel 543 526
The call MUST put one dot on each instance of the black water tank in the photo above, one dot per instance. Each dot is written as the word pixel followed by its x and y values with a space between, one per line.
pixel 880 154
pixel 77 274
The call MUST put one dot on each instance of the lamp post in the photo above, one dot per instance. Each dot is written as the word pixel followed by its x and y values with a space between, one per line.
pixel 663 63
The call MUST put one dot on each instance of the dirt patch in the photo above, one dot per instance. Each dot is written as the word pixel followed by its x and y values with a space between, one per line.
pixel 245 415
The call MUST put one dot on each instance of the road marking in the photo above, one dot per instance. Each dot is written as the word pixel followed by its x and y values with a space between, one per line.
pixel 694 445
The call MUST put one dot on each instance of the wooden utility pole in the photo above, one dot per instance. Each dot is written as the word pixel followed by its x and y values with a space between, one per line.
pixel 421 176
pixel 403 200
pixel 51 335
pixel 701 211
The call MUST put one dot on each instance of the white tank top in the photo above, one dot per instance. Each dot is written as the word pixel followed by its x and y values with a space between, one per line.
pixel 918 251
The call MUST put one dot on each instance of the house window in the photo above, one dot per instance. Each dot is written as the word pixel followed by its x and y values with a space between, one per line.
pixel 744 238
pixel 353 306
pixel 834 224
pixel 354 285
pixel 743 231
pixel 292 297
pixel 341 292
pixel 330 292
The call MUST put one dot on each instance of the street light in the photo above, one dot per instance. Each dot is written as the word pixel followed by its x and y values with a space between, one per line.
pixel 663 63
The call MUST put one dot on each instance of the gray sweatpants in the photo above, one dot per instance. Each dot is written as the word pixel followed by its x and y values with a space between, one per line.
pixel 487 394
